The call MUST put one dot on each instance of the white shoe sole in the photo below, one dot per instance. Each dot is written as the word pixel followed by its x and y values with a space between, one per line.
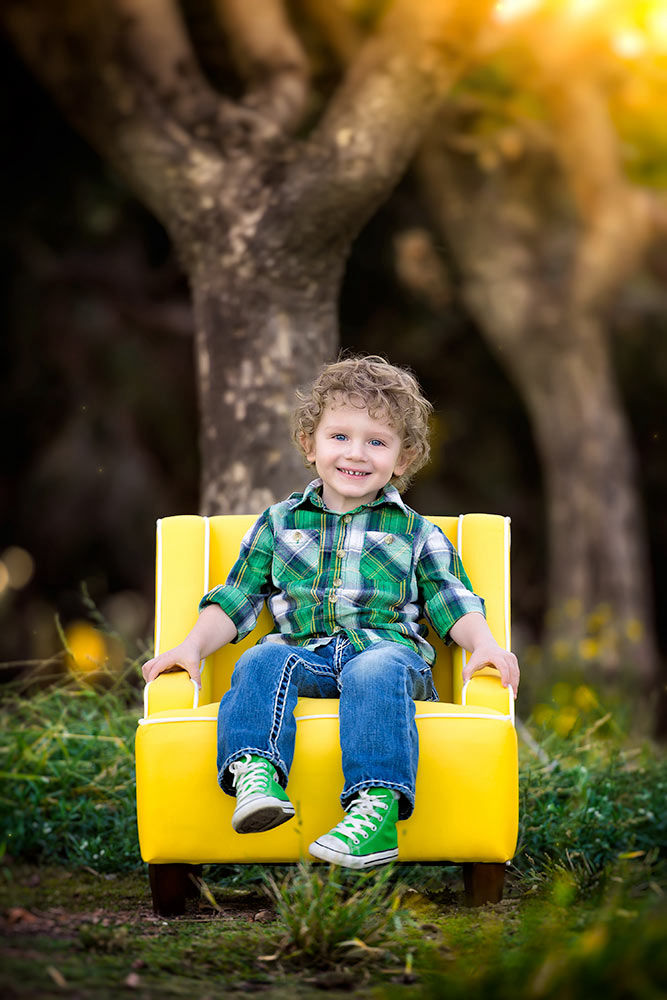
pixel 261 814
pixel 323 853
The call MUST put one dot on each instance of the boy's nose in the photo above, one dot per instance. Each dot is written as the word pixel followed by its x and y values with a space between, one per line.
pixel 354 450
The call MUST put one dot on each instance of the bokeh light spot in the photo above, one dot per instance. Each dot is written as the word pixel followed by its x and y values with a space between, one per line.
pixel 20 566
pixel 87 647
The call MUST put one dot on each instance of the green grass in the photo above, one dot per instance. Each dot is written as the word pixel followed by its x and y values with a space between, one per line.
pixel 67 789
pixel 590 804
pixel 584 914
pixel 67 786
pixel 332 916
pixel 95 931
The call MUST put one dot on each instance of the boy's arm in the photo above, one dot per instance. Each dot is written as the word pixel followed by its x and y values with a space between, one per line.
pixel 472 633
pixel 213 629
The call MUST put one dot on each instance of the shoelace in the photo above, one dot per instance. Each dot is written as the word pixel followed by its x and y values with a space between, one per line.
pixel 360 816
pixel 249 775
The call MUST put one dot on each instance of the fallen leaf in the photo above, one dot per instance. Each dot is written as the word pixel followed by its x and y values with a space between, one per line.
pixel 18 915
pixel 56 976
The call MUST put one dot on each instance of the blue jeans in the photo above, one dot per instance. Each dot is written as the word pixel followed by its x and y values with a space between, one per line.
pixel 377 689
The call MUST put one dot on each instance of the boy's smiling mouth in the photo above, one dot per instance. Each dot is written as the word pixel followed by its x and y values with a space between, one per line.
pixel 353 472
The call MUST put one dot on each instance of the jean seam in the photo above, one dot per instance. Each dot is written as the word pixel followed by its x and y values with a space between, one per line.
pixel 314 670
pixel 279 700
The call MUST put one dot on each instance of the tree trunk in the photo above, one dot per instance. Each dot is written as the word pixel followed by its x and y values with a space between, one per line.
pixel 514 253
pixel 260 201
pixel 598 588
pixel 257 339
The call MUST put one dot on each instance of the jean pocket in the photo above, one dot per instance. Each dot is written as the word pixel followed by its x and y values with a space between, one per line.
pixel 296 553
pixel 386 554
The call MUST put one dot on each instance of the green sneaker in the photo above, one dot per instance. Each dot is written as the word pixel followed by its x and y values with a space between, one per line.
pixel 367 836
pixel 261 801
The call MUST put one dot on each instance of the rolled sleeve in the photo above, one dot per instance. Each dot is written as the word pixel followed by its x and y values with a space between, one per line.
pixel 248 584
pixel 445 590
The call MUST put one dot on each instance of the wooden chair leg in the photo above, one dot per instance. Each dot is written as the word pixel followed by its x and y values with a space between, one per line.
pixel 171 887
pixel 483 882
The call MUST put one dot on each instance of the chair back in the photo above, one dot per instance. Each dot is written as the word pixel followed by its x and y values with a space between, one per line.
pixel 195 553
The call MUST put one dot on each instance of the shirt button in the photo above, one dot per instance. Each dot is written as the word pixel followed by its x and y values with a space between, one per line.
pixel 338 581
pixel 340 553
pixel 389 539
pixel 333 598
pixel 347 519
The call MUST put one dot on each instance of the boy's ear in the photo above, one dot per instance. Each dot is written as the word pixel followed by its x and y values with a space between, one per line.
pixel 403 462
pixel 307 443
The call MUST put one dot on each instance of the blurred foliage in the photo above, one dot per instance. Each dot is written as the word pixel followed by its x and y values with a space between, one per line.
pixel 584 908
pixel 589 793
pixel 67 768
pixel 331 916
pixel 100 424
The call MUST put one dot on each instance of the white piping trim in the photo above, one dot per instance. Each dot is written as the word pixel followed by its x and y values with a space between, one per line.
pixel 207 586
pixel 506 575
pixel 459 549
pixel 307 718
pixel 195 696
pixel 462 715
pixel 508 542
pixel 177 718
pixel 158 588
pixel 151 721
pixel 158 602
pixel 510 697
pixel 207 553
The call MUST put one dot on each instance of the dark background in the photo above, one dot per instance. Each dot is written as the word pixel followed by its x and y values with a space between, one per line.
pixel 99 422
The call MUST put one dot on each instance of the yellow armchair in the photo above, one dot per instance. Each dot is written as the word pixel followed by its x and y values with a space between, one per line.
pixel 467 784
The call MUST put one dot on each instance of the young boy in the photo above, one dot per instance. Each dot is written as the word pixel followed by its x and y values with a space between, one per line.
pixel 347 570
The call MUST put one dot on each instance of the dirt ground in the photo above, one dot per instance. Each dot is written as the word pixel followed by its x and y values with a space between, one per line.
pixel 86 935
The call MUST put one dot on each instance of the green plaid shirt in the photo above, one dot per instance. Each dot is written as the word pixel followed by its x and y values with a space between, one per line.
pixel 371 573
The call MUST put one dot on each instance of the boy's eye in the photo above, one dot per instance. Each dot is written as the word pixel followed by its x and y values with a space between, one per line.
pixel 376 441
pixel 339 437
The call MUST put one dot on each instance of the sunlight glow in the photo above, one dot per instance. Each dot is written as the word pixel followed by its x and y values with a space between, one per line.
pixel 511 10
pixel 632 26
pixel 629 44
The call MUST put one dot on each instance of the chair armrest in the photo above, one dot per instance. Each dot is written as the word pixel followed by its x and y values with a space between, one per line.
pixel 485 688
pixel 170 690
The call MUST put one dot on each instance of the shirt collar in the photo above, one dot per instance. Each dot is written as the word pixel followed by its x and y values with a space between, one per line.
pixel 313 494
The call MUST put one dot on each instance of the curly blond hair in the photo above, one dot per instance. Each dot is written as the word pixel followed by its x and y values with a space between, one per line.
pixel 372 383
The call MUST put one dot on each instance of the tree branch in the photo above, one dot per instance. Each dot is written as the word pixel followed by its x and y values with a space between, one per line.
pixel 420 268
pixel 375 120
pixel 615 213
pixel 269 57
pixel 342 34
pixel 157 44
pixel 100 61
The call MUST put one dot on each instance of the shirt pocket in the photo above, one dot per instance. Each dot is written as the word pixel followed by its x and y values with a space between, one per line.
pixel 386 555
pixel 296 554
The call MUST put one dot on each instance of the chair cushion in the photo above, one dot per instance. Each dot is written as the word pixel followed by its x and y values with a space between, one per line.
pixel 466 797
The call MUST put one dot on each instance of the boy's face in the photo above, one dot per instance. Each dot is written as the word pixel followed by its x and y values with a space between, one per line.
pixel 355 455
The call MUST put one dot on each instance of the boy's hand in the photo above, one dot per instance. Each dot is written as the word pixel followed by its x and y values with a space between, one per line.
pixel 493 655
pixel 213 629
pixel 185 656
